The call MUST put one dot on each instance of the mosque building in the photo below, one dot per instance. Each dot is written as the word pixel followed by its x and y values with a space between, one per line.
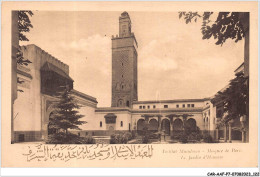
pixel 34 105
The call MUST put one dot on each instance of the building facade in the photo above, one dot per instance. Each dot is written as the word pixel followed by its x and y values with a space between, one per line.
pixel 35 103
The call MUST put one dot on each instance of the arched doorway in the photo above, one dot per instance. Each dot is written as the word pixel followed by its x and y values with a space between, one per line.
pixel 153 125
pixel 140 126
pixel 191 124
pixel 111 130
pixel 50 129
pixel 166 126
pixel 177 125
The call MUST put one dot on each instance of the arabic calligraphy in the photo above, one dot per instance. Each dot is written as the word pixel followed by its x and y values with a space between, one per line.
pixel 43 152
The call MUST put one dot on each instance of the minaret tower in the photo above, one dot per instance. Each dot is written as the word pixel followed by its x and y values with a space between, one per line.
pixel 124 65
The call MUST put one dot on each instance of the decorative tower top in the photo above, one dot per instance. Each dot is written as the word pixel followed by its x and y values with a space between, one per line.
pixel 124 25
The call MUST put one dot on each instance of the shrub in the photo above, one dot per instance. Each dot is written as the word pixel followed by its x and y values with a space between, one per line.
pixel 208 139
pixel 153 136
pixel 177 135
pixel 145 139
pixel 69 138
pixel 133 134
pixel 128 135
pixel 120 138
pixel 195 136
pixel 89 140
pixel 184 138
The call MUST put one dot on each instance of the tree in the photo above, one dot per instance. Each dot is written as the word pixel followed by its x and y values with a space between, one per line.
pixel 231 25
pixel 24 25
pixel 235 99
pixel 65 117
pixel 228 25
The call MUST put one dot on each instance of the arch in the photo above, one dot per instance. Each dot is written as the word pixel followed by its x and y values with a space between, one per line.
pixel 191 124
pixel 153 125
pixel 140 126
pixel 127 103
pixel 166 126
pixel 177 125
pixel 120 103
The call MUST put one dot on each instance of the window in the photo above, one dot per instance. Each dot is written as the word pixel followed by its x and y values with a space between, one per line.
pixel 165 106
pixel 192 105
pixel 100 123
pixel 148 107
pixel 127 103
pixel 122 64
pixel 129 127
pixel 140 107
pixel 154 106
pixel 177 106
pixel 122 76
pixel 86 133
pixel 188 105
pixel 78 134
pixel 183 105
pixel 143 107
pixel 121 123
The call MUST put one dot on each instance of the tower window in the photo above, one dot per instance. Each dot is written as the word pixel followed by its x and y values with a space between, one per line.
pixel 188 105
pixel 148 107
pixel 154 106
pixel 177 106
pixel 122 87
pixel 122 64
pixel 127 103
pixel 165 106
pixel 121 123
pixel 122 76
pixel 100 123
pixel 143 107
pixel 140 107
pixel 183 105
pixel 192 105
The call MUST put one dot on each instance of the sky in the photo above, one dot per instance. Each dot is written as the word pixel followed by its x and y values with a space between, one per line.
pixel 173 60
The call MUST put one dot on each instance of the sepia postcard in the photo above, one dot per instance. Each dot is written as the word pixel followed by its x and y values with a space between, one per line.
pixel 129 84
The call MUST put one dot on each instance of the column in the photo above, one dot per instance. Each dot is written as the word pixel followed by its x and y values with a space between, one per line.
pixel 171 127
pixel 229 132
pixel 242 120
pixel 243 136
pixel 225 133
pixel 159 123
pixel 217 134
pixel 146 119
